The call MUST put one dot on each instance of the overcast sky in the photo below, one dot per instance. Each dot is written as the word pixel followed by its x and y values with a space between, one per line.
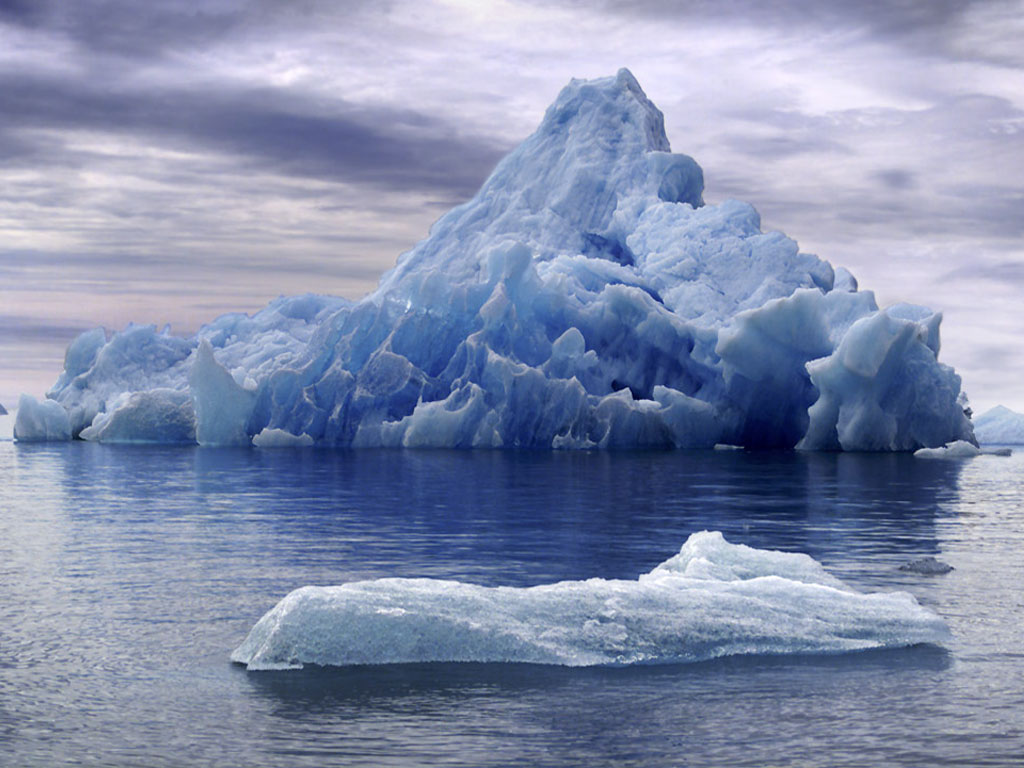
pixel 168 161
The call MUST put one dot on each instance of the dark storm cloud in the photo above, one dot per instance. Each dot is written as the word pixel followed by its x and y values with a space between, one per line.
pixel 20 11
pixel 145 30
pixel 278 130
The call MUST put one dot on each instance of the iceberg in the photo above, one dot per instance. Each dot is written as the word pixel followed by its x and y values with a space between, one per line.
pixel 712 599
pixel 1000 425
pixel 586 297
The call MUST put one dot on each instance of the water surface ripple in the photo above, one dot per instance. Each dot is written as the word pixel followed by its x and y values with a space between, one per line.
pixel 127 575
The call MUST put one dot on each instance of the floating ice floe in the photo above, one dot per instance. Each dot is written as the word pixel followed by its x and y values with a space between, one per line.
pixel 959 449
pixel 712 599
pixel 586 297
pixel 927 566
pixel 278 438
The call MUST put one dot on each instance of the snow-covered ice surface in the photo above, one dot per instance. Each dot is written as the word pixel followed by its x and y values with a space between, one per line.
pixel 1000 425
pixel 585 297
pixel 713 599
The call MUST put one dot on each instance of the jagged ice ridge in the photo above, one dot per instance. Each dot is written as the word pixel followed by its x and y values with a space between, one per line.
pixel 585 297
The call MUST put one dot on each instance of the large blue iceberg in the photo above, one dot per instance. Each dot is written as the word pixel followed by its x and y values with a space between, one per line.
pixel 712 599
pixel 586 297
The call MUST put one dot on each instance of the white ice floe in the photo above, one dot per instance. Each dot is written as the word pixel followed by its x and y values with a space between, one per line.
pixel 712 599
pixel 586 297
pixel 959 449
pixel 278 438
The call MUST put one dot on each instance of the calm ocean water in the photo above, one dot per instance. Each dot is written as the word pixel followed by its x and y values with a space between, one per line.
pixel 128 574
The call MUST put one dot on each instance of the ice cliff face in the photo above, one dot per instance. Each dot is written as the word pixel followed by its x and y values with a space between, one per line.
pixel 585 297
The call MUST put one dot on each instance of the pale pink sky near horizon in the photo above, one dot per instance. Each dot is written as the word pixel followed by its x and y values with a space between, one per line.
pixel 171 161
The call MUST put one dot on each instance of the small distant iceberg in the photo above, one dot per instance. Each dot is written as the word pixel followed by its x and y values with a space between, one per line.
pixel 3 411
pixel 712 599
pixel 1000 425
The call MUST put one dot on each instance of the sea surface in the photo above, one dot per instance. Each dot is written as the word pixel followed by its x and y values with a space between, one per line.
pixel 128 574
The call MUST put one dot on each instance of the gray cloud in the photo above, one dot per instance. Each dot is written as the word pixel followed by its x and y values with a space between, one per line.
pixel 1004 272
pixel 935 27
pixel 896 178
pixel 26 329
pixel 780 145
pixel 152 29
pixel 26 12
pixel 385 147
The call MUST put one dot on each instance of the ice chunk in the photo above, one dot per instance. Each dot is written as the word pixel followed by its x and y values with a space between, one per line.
pixel 279 438
pixel 712 599
pixel 156 416
pixel 882 389
pixel 3 411
pixel 98 371
pixel 927 566
pixel 41 421
pixel 585 297
pixel 1000 425
pixel 959 449
pixel 222 407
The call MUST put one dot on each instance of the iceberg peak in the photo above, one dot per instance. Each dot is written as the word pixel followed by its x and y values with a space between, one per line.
pixel 599 155
pixel 611 107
